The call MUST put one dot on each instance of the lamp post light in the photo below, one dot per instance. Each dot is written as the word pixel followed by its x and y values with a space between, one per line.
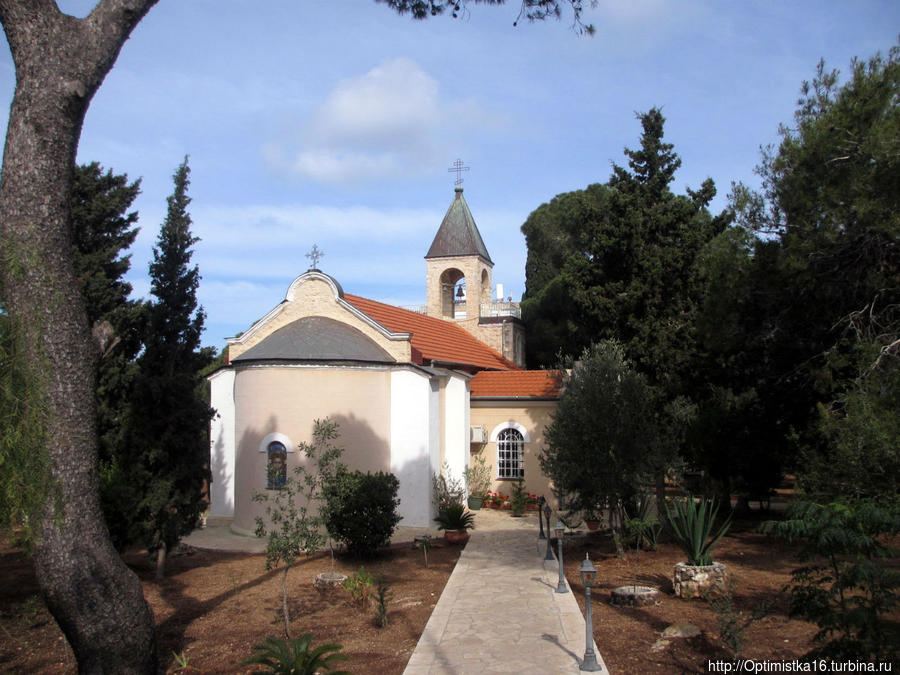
pixel 549 554
pixel 561 587
pixel 541 516
pixel 589 662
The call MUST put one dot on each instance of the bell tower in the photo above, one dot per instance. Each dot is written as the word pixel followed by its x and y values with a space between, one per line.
pixel 458 266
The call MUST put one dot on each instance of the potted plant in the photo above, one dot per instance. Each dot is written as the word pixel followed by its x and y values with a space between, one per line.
pixel 691 524
pixel 478 481
pixel 455 520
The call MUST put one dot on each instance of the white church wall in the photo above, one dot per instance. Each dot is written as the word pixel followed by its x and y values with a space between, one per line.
pixel 287 399
pixel 412 420
pixel 221 444
pixel 456 425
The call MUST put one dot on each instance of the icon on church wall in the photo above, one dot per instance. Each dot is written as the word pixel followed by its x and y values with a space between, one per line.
pixel 276 469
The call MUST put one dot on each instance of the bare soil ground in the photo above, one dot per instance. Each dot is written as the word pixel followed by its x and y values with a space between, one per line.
pixel 759 568
pixel 214 607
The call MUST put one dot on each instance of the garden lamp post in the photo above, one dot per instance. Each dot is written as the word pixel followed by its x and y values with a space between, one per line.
pixel 549 554
pixel 589 662
pixel 541 516
pixel 561 587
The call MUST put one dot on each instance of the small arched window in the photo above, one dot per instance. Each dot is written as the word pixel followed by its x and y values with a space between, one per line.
pixel 276 466
pixel 510 454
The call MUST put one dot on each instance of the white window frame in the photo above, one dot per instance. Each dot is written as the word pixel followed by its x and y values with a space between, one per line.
pixel 515 467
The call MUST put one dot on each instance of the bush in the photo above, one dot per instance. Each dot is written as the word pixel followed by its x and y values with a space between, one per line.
pixel 848 590
pixel 361 509
pixel 446 490
pixel 359 585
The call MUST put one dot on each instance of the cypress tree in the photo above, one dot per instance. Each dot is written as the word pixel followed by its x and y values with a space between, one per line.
pixel 102 229
pixel 169 415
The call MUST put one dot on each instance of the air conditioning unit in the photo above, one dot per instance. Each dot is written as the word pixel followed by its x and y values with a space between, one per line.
pixel 478 435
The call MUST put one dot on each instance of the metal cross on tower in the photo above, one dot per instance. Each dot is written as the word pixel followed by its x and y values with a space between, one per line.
pixel 458 168
pixel 314 256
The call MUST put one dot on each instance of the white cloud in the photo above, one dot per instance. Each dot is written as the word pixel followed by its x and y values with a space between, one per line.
pixel 391 121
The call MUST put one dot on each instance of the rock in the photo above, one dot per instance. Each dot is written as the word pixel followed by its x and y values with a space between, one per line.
pixel 681 630
pixel 674 632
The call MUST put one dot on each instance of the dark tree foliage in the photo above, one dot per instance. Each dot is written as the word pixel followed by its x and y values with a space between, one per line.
pixel 532 10
pixel 556 323
pixel 603 445
pixel 821 302
pixel 102 230
pixel 846 588
pixel 168 460
pixel 618 261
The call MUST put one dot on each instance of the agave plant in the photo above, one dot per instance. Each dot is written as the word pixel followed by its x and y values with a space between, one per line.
pixel 692 524
pixel 296 657
pixel 455 517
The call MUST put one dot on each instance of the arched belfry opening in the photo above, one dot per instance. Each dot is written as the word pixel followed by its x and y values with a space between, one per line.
pixel 453 294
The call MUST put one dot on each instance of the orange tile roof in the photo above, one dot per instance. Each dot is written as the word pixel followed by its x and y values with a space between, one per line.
pixel 516 384
pixel 434 339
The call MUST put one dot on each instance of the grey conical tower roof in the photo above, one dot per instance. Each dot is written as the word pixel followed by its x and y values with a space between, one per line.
pixel 458 235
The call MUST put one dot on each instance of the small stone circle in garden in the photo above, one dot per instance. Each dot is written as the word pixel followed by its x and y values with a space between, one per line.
pixel 329 580
pixel 635 596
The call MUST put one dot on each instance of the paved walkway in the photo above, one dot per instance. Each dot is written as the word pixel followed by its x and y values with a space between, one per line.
pixel 499 612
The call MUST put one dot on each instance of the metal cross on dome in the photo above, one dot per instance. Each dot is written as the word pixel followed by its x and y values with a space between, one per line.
pixel 458 167
pixel 314 256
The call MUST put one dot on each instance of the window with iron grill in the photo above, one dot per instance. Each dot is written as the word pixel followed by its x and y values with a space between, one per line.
pixel 510 454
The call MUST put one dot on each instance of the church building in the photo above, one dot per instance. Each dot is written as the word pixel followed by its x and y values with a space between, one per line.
pixel 412 391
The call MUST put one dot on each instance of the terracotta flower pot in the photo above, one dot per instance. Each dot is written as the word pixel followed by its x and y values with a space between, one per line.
pixel 456 536
pixel 592 524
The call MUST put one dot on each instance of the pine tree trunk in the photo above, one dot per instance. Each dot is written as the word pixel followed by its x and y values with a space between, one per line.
pixel 60 62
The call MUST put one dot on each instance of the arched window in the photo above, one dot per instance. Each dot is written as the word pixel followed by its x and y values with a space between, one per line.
pixel 276 467
pixel 510 454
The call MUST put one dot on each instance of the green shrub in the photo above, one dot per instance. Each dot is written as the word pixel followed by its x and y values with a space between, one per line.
pixel 381 595
pixel 519 498
pixel 640 526
pixel 691 524
pixel 296 657
pixel 445 489
pixel 477 477
pixel 848 592
pixel 359 585
pixel 361 509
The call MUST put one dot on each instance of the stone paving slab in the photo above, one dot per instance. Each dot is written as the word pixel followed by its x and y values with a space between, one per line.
pixel 499 612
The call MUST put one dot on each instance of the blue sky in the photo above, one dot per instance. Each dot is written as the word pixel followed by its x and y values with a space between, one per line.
pixel 335 122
